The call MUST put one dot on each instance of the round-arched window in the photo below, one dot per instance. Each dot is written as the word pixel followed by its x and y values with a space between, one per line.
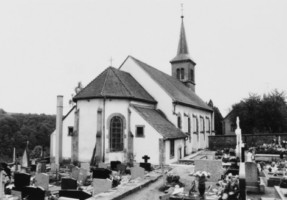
pixel 116 134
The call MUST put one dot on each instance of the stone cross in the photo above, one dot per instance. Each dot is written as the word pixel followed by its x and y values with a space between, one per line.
pixel 146 158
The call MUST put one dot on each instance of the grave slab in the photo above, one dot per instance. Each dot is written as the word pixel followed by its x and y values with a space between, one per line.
pixel 101 185
pixel 42 180
pixel 137 172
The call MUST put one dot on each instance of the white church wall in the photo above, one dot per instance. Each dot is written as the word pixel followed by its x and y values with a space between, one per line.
pixel 151 86
pixel 87 127
pixel 147 145
pixel 178 145
pixel 197 140
pixel 114 107
pixel 67 140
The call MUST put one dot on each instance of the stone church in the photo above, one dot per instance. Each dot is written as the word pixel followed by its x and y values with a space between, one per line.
pixel 136 110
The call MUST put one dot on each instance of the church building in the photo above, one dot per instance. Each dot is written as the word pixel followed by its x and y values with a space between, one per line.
pixel 136 110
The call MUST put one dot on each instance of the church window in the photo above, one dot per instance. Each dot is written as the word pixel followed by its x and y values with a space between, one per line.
pixel 192 75
pixel 178 74
pixel 179 121
pixel 140 131
pixel 70 130
pixel 116 134
pixel 181 73
pixel 189 128
pixel 171 148
pixel 201 125
pixel 207 124
pixel 195 124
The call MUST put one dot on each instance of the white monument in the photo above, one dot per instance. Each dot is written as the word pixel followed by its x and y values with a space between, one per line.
pixel 239 143
pixel 1 184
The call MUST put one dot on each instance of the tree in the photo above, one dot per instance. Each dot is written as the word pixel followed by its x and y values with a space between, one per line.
pixel 267 114
pixel 217 119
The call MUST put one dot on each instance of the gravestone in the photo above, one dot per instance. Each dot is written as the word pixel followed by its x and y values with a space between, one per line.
pixel 114 165
pixel 103 165
pixel 145 164
pixel 252 178
pixel 42 180
pixel 54 167
pixel 68 184
pixel 101 185
pixel 137 172
pixel 76 194
pixel 86 166
pixel 101 173
pixel 21 180
pixel 75 173
pixel 121 168
pixel 41 168
pixel 33 193
pixel 70 167
pixel 214 167
pixel 83 174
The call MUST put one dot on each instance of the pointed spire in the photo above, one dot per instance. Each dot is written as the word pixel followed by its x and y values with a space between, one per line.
pixel 182 44
pixel 182 49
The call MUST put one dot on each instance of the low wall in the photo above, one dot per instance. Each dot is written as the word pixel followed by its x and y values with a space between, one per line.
pixel 229 141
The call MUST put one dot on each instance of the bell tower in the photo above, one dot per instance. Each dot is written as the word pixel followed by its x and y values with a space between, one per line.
pixel 182 65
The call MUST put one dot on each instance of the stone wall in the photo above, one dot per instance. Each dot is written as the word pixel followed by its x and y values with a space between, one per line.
pixel 229 141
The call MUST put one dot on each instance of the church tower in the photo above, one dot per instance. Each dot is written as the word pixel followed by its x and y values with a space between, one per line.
pixel 182 65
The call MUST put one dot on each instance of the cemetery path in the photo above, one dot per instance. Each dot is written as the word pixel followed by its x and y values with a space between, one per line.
pixel 151 192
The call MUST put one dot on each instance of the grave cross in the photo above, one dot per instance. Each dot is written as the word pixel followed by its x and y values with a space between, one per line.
pixel 146 158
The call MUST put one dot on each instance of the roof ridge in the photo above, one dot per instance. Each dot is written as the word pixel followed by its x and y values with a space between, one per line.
pixel 122 82
pixel 105 80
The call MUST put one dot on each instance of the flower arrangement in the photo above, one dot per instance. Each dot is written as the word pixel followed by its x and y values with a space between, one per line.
pixel 202 174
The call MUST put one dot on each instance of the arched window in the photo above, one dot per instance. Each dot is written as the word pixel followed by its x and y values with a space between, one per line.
pixel 181 73
pixel 116 134
pixel 178 74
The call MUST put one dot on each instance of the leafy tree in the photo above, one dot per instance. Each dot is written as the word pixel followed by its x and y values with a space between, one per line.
pixel 267 114
pixel 217 119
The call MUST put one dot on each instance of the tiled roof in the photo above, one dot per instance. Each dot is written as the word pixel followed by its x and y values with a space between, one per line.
pixel 114 83
pixel 160 123
pixel 176 89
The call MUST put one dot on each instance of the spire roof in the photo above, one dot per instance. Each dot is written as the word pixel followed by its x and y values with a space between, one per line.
pixel 182 49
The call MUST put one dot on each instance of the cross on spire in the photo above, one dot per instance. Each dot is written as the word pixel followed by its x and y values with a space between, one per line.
pixel 181 10
pixel 111 61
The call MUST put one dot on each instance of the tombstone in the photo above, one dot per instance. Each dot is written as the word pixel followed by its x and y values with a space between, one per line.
pixel 75 173
pixel 75 194
pixel 42 180
pixel 54 167
pixel 21 180
pixel 252 178
pixel 103 165
pixel 214 167
pixel 33 193
pixel 101 173
pixel 101 185
pixel 83 174
pixel 145 164
pixel 121 168
pixel 137 172
pixel 70 167
pixel 86 166
pixel 114 165
pixel 41 168
pixel 68 184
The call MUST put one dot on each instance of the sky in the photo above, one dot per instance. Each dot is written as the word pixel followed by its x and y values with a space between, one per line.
pixel 48 46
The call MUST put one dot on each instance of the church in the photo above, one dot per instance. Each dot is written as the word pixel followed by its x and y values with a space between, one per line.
pixel 136 110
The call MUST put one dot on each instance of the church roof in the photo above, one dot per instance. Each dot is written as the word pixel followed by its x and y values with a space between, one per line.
pixel 182 49
pixel 160 123
pixel 176 89
pixel 113 83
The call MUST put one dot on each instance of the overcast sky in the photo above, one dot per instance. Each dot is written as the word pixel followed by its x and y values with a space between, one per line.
pixel 48 46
